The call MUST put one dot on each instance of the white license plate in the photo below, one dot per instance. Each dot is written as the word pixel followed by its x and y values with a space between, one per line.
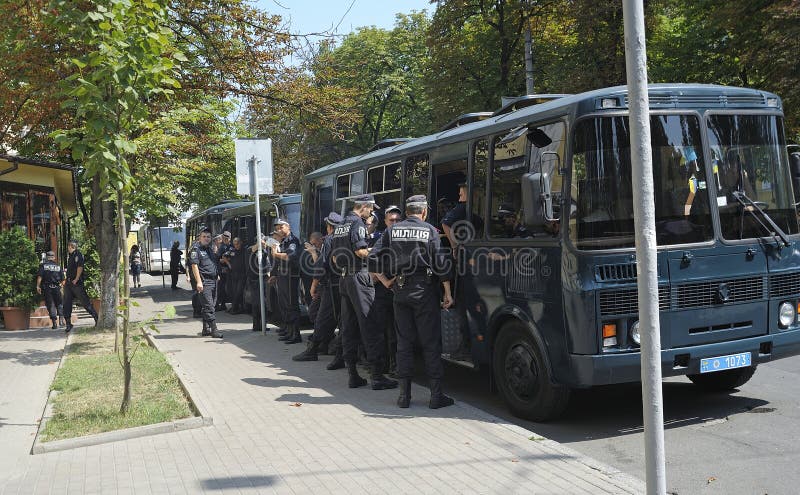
pixel 710 365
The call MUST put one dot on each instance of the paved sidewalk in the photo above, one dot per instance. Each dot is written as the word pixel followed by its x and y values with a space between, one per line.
pixel 287 427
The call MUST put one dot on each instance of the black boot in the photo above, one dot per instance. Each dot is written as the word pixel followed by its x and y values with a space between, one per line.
pixel 438 399
pixel 354 380
pixel 404 399
pixel 215 333
pixel 380 382
pixel 294 335
pixel 310 354
pixel 55 323
pixel 206 331
pixel 337 363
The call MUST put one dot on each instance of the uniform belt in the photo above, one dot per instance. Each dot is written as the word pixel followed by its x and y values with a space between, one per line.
pixel 52 286
pixel 347 273
pixel 403 279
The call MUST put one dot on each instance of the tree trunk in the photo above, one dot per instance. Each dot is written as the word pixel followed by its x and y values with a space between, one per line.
pixel 126 310
pixel 108 248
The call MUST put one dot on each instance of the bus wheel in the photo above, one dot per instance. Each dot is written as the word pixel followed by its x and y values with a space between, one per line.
pixel 522 376
pixel 722 381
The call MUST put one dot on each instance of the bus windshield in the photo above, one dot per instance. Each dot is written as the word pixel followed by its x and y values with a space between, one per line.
pixel 601 213
pixel 168 236
pixel 750 163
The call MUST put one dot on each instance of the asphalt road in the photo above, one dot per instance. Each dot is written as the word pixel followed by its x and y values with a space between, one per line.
pixel 744 442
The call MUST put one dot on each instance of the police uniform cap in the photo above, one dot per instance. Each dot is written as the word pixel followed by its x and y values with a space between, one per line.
pixel 393 208
pixel 226 234
pixel 206 230
pixel 280 221
pixel 417 200
pixel 333 218
pixel 50 254
pixel 366 199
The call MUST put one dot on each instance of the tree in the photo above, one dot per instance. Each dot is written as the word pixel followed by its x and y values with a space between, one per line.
pixel 130 61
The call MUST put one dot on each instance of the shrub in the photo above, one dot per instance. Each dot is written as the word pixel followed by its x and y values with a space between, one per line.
pixel 18 268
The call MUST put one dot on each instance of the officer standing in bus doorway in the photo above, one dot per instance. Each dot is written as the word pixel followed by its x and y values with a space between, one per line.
pixel 49 282
pixel 349 255
pixel 252 280
pixel 224 270
pixel 236 258
pixel 384 296
pixel 323 288
pixel 418 263
pixel 203 263
pixel 452 222
pixel 73 288
pixel 175 263
pixel 287 257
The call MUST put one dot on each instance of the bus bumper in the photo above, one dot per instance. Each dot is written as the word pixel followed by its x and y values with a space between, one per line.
pixel 605 369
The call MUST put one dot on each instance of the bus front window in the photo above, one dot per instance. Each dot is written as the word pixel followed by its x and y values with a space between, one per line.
pixel 750 162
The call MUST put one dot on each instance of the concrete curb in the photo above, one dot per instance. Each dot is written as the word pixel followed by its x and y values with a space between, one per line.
pixel 198 421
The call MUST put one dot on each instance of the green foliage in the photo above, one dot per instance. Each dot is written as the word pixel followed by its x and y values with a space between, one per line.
pixel 18 268
pixel 91 268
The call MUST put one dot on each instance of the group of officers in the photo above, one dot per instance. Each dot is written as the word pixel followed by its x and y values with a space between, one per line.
pixel 50 281
pixel 384 291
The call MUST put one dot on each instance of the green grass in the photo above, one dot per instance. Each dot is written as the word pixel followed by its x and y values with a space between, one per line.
pixel 90 389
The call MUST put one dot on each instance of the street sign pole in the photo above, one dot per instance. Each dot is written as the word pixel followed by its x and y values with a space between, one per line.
pixel 259 256
pixel 646 252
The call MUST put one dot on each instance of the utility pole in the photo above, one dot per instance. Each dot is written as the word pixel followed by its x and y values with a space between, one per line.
pixel 646 248
pixel 251 163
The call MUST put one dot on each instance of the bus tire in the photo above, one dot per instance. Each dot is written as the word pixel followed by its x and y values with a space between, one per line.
pixel 523 378
pixel 723 381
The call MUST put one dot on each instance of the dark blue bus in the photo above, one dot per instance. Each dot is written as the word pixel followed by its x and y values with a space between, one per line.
pixel 547 261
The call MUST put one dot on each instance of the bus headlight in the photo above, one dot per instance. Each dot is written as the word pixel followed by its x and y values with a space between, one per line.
pixel 635 337
pixel 786 314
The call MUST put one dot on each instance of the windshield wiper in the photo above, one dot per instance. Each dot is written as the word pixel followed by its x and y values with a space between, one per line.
pixel 742 198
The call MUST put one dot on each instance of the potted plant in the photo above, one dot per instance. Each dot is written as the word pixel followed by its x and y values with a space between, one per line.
pixel 18 267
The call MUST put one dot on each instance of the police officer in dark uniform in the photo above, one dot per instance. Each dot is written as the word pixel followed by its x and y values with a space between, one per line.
pixel 252 280
pixel 73 288
pixel 417 262
pixel 323 287
pixel 224 270
pixel 287 259
pixel 48 282
pixel 384 296
pixel 349 257
pixel 236 258
pixel 203 264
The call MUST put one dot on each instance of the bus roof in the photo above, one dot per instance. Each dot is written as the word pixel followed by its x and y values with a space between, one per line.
pixel 662 96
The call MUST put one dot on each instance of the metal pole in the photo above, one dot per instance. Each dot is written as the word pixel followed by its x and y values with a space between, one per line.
pixel 161 254
pixel 528 61
pixel 254 192
pixel 646 252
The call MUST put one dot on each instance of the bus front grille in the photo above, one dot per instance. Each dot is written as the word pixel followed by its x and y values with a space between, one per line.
pixel 626 301
pixel 706 294
pixel 784 284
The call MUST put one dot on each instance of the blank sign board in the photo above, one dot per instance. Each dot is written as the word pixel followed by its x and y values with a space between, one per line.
pixel 261 150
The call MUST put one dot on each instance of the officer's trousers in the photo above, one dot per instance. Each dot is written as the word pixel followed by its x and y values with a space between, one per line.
pixel 255 302
pixel 208 300
pixel 197 305
pixel 288 299
pixel 327 319
pixel 222 289
pixel 72 292
pixel 359 320
pixel 236 288
pixel 384 308
pixel 418 315
pixel 52 298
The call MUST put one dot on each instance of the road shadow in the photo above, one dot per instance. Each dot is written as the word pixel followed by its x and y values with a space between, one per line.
pixel 32 357
pixel 234 482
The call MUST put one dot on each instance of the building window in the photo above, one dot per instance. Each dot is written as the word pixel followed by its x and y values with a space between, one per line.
pixel 15 210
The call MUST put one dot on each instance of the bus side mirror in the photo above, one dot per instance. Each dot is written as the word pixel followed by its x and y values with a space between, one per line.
pixel 536 199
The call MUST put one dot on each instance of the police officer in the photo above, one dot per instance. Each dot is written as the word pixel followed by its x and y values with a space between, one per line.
pixel 384 296
pixel 236 259
pixel 73 288
pixel 322 287
pixel 417 263
pixel 203 264
pixel 287 259
pixel 49 282
pixel 349 256
pixel 252 280
pixel 223 269
pixel 197 305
